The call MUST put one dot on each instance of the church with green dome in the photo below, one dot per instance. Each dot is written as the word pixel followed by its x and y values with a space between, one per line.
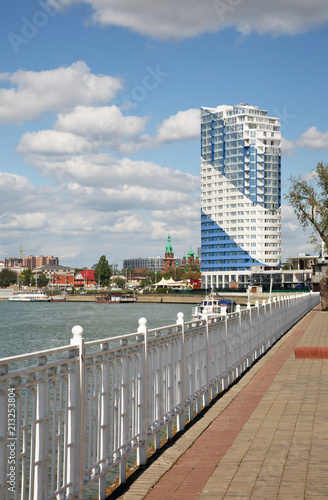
pixel 169 261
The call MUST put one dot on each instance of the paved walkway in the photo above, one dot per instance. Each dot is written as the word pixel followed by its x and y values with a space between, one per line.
pixel 266 438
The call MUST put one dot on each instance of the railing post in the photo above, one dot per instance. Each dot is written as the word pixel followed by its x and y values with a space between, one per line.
pixel 143 394
pixel 240 368
pixel 207 393
pixel 76 417
pixel 255 354
pixel 181 418
pixel 263 332
pixel 39 492
pixel 226 375
pixel 249 355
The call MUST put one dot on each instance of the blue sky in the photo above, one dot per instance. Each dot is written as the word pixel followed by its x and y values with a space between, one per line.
pixel 99 115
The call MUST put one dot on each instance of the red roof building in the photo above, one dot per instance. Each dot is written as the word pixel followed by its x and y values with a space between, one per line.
pixel 85 278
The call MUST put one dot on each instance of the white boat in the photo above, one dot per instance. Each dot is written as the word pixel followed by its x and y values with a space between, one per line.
pixel 212 305
pixel 115 299
pixel 29 297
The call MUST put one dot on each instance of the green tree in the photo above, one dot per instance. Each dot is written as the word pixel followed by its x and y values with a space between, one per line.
pixel 103 271
pixel 119 282
pixel 309 200
pixel 146 282
pixel 7 277
pixel 26 277
pixel 42 280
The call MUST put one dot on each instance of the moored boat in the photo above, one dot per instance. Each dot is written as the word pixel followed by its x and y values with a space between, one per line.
pixel 36 296
pixel 58 298
pixel 115 299
pixel 213 305
pixel 107 299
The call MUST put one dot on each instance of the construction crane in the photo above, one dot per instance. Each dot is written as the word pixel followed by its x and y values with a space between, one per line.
pixel 22 250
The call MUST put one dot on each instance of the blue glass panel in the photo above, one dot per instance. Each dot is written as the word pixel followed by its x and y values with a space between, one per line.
pixel 217 253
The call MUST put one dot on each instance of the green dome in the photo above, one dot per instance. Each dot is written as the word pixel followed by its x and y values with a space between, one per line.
pixel 190 253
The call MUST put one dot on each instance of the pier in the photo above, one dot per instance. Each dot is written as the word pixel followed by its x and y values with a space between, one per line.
pixel 84 412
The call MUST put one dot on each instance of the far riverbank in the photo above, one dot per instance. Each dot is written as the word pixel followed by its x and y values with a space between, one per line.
pixel 174 298
pixel 179 298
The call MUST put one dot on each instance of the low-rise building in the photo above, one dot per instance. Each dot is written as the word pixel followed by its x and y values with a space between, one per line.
pixel 85 278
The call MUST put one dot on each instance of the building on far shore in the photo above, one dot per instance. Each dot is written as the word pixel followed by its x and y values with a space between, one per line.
pixel 31 262
pixel 50 270
pixel 154 264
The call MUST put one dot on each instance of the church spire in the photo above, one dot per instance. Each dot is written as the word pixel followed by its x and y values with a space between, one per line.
pixel 169 248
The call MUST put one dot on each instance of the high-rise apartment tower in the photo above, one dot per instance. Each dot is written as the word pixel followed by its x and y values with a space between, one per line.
pixel 240 193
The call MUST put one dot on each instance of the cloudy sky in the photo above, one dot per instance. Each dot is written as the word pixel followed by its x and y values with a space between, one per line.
pixel 100 120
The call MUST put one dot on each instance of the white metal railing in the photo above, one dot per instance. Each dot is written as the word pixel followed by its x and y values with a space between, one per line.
pixel 70 417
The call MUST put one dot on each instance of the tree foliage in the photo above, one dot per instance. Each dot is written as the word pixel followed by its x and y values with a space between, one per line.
pixel 26 277
pixel 310 201
pixel 119 282
pixel 103 271
pixel 7 278
pixel 42 280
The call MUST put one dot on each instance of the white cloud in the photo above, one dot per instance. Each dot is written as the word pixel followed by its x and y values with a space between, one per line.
pixel 100 202
pixel 182 126
pixel 33 93
pixel 101 170
pixel 49 142
pixel 287 147
pixel 100 123
pixel 309 176
pixel 178 19
pixel 313 139
pixel 89 129
pixel 82 222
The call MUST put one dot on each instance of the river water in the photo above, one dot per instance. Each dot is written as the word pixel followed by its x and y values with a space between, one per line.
pixel 29 327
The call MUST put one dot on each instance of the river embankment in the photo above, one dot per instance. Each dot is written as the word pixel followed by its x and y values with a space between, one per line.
pixel 180 298
pixel 170 298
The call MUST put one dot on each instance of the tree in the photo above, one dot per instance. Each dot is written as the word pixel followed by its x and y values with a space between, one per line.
pixel 310 203
pixel 7 277
pixel 103 271
pixel 42 280
pixel 26 277
pixel 119 282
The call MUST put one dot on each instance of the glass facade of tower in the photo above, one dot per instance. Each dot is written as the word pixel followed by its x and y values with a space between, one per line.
pixel 240 193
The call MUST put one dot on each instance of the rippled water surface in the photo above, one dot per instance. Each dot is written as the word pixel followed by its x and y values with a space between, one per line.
pixel 28 327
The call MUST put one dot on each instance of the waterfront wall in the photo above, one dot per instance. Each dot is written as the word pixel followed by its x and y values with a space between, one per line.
pixel 181 298
pixel 73 417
